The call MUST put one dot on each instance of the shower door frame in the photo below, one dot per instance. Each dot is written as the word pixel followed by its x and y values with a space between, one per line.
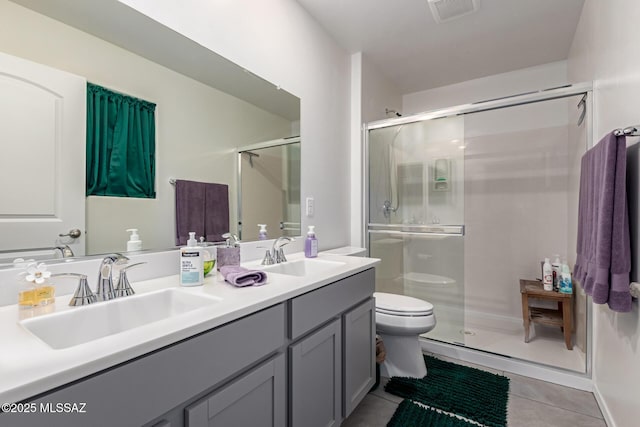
pixel 584 88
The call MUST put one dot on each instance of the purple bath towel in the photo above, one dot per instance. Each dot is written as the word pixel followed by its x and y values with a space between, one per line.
pixel 240 276
pixel 603 248
pixel 203 208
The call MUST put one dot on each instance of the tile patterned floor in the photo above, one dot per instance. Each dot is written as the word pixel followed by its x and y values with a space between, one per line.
pixel 532 403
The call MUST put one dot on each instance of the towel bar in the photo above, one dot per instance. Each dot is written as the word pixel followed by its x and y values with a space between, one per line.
pixel 628 131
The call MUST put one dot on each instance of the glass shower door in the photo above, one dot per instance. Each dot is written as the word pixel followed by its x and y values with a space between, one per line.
pixel 416 216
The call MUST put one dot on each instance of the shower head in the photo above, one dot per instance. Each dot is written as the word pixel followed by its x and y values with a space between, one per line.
pixel 393 112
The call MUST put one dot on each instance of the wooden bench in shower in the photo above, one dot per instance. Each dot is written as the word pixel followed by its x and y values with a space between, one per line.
pixel 532 289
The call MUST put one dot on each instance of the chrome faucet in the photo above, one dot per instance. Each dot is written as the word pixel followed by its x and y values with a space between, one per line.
pixel 65 251
pixel 276 250
pixel 105 290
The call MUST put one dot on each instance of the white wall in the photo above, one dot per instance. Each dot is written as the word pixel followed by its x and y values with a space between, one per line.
pixel 602 51
pixel 197 127
pixel 371 94
pixel 378 93
pixel 499 85
pixel 279 41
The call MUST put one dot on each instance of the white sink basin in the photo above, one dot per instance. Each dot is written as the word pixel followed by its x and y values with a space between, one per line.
pixel 302 267
pixel 79 325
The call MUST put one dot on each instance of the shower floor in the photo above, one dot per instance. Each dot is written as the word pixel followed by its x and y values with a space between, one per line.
pixel 546 345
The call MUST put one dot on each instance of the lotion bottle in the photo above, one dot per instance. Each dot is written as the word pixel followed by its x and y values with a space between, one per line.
pixel 311 243
pixel 134 243
pixel 191 263
pixel 547 275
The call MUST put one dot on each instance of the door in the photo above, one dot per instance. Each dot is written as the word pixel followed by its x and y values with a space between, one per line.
pixel 316 378
pixel 359 340
pixel 416 194
pixel 257 399
pixel 42 167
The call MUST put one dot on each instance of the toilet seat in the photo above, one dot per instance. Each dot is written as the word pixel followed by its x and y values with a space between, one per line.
pixel 402 305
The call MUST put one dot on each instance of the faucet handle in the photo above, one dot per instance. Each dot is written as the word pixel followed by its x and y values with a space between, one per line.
pixel 268 259
pixel 123 288
pixel 279 256
pixel 83 294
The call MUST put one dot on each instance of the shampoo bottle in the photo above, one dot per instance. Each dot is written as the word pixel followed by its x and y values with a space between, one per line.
pixel 191 263
pixel 311 243
pixel 566 287
pixel 547 275
pixel 262 234
pixel 134 243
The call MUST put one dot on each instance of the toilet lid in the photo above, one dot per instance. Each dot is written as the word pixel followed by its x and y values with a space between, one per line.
pixel 401 305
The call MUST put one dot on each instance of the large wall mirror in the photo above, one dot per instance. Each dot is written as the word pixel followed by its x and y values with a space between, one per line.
pixel 208 109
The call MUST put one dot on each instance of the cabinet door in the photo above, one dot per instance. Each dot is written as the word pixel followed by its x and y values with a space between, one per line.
pixel 359 331
pixel 316 378
pixel 257 399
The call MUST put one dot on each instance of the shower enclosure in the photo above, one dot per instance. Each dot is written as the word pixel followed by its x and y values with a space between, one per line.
pixel 465 202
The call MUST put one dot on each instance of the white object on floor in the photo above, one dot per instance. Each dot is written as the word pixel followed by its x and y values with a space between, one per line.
pixel 399 321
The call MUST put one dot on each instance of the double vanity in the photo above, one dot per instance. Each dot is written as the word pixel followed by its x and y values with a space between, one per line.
pixel 298 351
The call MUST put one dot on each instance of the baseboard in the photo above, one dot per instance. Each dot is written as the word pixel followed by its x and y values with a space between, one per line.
pixel 553 375
pixel 606 413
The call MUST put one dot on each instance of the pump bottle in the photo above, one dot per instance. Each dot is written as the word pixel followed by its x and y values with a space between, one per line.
pixel 311 243
pixel 191 263
pixel 134 243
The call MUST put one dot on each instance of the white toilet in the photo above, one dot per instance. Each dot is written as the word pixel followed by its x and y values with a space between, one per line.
pixel 399 321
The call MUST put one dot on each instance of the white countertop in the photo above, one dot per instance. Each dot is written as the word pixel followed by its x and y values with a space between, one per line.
pixel 29 367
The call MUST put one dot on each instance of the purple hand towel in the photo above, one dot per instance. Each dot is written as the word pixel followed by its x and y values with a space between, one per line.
pixel 240 276
pixel 603 248
pixel 190 209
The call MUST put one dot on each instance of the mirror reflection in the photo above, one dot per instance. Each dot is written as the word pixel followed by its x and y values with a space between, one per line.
pixel 269 193
pixel 199 126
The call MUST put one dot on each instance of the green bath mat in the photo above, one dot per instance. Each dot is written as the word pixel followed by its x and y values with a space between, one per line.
pixel 410 414
pixel 471 393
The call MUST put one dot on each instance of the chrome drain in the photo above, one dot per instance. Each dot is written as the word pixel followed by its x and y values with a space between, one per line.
pixel 467 332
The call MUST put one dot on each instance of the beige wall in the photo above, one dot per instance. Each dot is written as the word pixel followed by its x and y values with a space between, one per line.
pixel 605 37
pixel 198 127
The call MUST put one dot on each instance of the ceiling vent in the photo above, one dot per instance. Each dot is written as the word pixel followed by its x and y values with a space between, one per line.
pixel 446 10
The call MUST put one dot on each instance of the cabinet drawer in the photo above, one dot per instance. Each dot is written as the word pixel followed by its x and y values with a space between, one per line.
pixel 139 391
pixel 312 309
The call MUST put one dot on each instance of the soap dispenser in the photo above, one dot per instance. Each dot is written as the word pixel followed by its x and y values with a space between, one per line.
pixel 262 234
pixel 230 253
pixel 134 243
pixel 311 243
pixel 191 263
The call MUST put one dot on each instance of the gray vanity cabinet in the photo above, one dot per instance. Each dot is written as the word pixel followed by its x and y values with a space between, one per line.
pixel 301 363
pixel 155 388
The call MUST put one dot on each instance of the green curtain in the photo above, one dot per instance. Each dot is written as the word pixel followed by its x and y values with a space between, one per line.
pixel 121 144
